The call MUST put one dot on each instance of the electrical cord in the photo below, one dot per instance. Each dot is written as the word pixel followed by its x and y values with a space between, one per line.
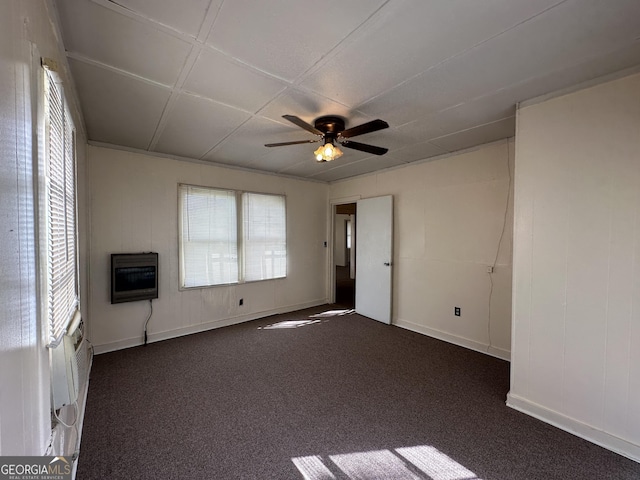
pixel 93 350
pixel 147 322
pixel 75 419
pixel 76 408
pixel 73 425
pixel 495 260
pixel 75 403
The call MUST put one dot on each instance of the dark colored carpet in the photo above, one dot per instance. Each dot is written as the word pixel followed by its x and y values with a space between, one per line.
pixel 346 396
pixel 345 287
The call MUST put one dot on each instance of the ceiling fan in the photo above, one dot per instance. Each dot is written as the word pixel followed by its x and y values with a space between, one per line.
pixel 330 129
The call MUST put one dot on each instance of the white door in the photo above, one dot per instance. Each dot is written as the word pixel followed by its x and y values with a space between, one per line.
pixel 374 252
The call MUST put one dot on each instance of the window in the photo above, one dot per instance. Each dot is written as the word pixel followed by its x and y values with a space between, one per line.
pixel 230 237
pixel 264 236
pixel 209 237
pixel 60 210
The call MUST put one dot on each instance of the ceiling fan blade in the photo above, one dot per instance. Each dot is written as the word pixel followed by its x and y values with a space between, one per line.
pixel 298 142
pixel 363 147
pixel 302 124
pixel 372 126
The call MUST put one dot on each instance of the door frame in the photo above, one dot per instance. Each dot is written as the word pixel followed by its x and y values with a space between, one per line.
pixel 331 278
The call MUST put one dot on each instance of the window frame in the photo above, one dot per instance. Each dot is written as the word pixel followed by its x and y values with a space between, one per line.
pixel 240 237
pixel 243 236
pixel 55 328
pixel 181 212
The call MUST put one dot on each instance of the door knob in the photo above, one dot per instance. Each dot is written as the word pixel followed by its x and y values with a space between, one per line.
pixel 387 264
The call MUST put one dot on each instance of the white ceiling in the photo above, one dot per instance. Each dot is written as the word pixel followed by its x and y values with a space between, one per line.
pixel 211 79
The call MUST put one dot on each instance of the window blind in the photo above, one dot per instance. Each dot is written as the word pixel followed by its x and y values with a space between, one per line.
pixel 264 236
pixel 208 236
pixel 62 289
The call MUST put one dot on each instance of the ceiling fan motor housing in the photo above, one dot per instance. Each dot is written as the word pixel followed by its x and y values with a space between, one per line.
pixel 331 126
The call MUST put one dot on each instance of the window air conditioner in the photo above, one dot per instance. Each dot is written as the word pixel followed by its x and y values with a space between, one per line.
pixel 64 366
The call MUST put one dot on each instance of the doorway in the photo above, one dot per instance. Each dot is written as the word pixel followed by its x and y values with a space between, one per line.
pixel 344 219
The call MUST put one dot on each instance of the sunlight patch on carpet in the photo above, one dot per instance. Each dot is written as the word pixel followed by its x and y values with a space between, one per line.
pixel 435 463
pixel 289 324
pixel 313 319
pixel 409 463
pixel 333 313
pixel 375 464
pixel 312 468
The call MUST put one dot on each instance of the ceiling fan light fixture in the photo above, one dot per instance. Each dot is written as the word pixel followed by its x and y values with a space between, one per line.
pixel 327 152
pixel 331 129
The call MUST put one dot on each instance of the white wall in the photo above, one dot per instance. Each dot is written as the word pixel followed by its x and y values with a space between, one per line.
pixel 26 33
pixel 134 201
pixel 576 292
pixel 340 239
pixel 449 217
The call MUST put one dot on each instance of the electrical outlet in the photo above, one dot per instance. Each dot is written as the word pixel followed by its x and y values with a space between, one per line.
pixel 456 311
pixel 241 302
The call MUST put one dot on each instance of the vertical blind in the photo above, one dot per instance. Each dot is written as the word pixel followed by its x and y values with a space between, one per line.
pixel 227 237
pixel 62 289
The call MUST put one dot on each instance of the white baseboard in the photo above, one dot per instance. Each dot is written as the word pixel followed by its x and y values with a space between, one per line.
pixel 456 340
pixel 201 327
pixel 571 425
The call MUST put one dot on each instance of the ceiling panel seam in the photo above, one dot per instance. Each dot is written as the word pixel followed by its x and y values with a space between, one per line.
pixel 522 82
pixel 225 137
pixel 435 139
pixel 209 21
pixel 177 88
pixel 568 66
pixel 343 166
pixel 456 55
pixel 173 98
pixel 239 61
pixel 110 5
pixel 198 41
pixel 303 90
pixel 125 73
pixel 337 47
pixel 72 94
pixel 509 87
pixel 579 86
